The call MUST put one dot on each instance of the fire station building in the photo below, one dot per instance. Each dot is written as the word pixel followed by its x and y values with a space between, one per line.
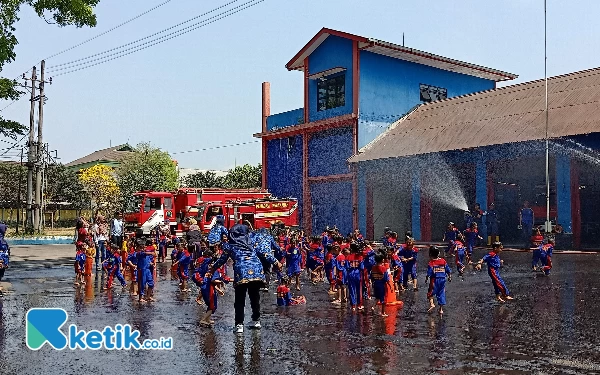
pixel 354 88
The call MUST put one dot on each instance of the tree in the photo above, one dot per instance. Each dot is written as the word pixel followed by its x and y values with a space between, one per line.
pixel 64 186
pixel 146 168
pixel 243 177
pixel 100 183
pixel 206 179
pixel 63 13
pixel 13 183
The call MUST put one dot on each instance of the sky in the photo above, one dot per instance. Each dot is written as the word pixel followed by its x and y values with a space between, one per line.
pixel 203 89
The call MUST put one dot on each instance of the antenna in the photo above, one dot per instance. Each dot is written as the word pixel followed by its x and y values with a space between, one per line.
pixel 402 39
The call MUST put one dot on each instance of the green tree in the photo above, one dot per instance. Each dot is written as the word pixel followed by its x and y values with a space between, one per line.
pixel 206 179
pixel 13 183
pixel 60 12
pixel 146 168
pixel 243 177
pixel 63 186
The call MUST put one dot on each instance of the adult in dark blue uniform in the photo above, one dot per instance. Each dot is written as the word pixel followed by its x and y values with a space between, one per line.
pixel 526 220
pixel 492 222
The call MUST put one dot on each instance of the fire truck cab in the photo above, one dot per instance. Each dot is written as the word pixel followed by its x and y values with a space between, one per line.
pixel 152 209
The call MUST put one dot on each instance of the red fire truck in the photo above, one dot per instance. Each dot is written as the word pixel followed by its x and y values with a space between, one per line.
pixel 259 207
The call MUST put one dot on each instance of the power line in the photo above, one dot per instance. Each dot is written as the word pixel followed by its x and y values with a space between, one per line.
pixel 14 145
pixel 109 30
pixel 91 39
pixel 144 38
pixel 226 14
pixel 215 147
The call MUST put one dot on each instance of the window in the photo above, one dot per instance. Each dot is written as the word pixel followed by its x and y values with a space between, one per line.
pixel 431 93
pixel 151 204
pixel 331 92
pixel 214 211
pixel 168 203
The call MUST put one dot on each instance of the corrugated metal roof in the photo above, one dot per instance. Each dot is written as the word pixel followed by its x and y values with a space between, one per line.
pixel 504 115
pixel 399 52
pixel 116 153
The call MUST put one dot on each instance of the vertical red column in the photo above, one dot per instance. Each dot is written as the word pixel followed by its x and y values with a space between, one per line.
pixel 306 84
pixel 575 204
pixel 355 87
pixel 370 219
pixel 354 170
pixel 306 200
pixel 266 112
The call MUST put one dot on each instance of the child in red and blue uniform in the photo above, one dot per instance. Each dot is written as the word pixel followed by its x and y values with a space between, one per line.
pixel 450 236
pixel 355 267
pixel 132 266
pixel 284 295
pixel 437 270
pixel 536 240
pixel 460 258
pixel 396 268
pixel 183 268
pixel 380 275
pixel 408 255
pixel 546 256
pixel 202 266
pixel 329 266
pixel 210 289
pixel 145 278
pixel 494 263
pixel 341 276
pixel 114 270
pixel 385 240
pixel 369 262
pixel 80 263
pixel 471 236
pixel 293 258
pixel 315 259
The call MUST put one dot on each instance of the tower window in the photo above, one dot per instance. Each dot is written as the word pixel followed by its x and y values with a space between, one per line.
pixel 331 92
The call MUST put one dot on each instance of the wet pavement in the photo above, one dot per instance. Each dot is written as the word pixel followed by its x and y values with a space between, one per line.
pixel 552 327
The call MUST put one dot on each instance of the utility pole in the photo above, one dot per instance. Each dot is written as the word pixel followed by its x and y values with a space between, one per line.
pixel 19 192
pixel 30 157
pixel 39 156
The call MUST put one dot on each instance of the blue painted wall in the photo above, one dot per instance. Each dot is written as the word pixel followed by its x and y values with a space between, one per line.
pixel 390 87
pixel 284 169
pixel 332 53
pixel 285 119
pixel 362 198
pixel 416 204
pixel 563 192
pixel 332 205
pixel 328 151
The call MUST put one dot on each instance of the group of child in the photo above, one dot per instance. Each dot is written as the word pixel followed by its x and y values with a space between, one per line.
pixel 354 269
pixel 136 258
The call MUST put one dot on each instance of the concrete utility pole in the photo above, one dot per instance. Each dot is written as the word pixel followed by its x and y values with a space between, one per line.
pixel 40 156
pixel 30 157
